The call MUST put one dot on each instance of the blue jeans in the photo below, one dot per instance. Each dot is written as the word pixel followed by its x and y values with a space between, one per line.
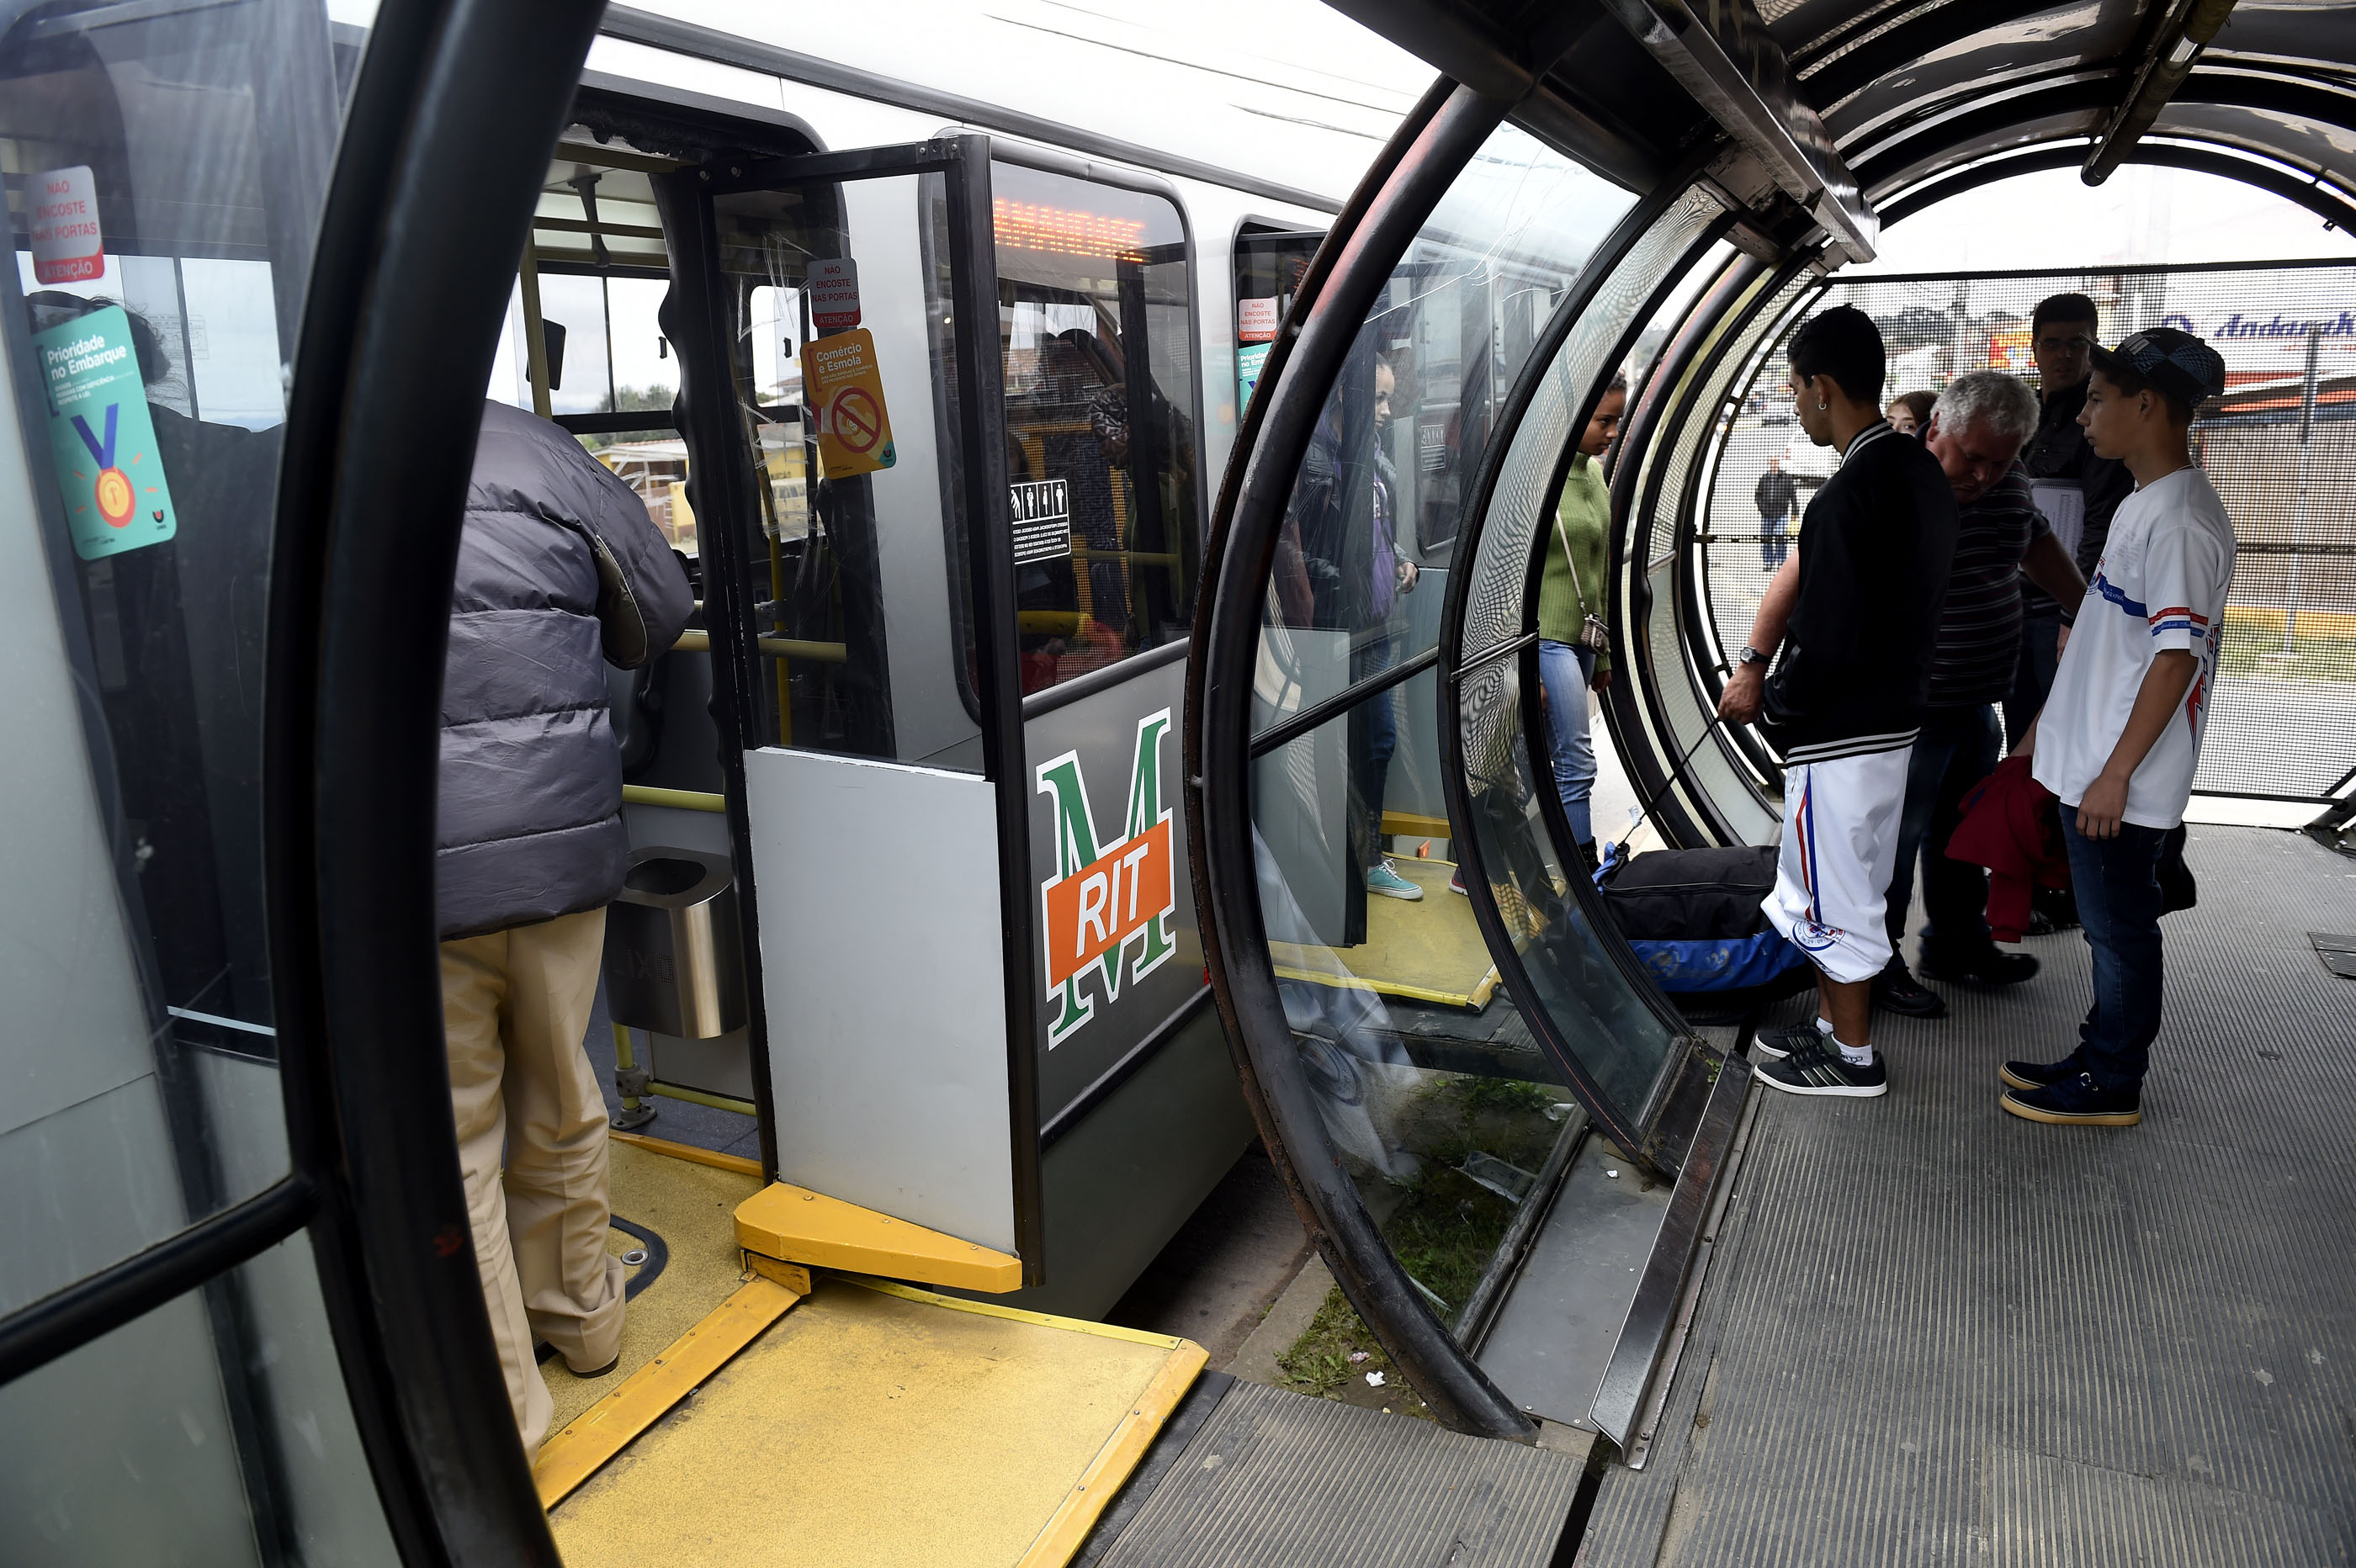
pixel 1566 670
pixel 1956 749
pixel 2117 884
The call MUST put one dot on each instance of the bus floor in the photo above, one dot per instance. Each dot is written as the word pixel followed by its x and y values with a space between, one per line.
pixel 1933 1332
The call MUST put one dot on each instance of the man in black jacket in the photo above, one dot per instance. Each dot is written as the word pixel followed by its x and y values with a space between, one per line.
pixel 560 572
pixel 1856 612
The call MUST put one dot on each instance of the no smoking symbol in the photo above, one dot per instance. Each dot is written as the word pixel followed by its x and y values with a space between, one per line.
pixel 857 421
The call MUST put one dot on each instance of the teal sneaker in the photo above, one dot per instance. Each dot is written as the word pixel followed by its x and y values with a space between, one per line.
pixel 1381 878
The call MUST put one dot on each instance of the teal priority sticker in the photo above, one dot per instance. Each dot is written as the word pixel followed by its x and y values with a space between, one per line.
pixel 101 436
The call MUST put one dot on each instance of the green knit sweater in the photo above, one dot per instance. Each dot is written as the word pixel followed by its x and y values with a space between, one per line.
pixel 1584 509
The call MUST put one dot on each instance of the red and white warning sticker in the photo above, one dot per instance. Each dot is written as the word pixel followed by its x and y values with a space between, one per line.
pixel 67 245
pixel 834 295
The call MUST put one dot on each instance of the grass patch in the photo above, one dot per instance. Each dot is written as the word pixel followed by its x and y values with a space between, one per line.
pixel 1447 1226
pixel 1320 1364
pixel 2313 658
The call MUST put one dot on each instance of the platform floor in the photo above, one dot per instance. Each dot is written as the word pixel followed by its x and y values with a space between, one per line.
pixel 1272 1479
pixel 1934 1333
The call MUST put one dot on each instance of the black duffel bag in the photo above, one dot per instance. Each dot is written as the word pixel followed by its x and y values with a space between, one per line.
pixel 1694 918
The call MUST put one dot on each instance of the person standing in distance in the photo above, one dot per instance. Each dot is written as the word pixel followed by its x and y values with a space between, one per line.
pixel 561 571
pixel 1777 496
pixel 2120 738
pixel 1856 615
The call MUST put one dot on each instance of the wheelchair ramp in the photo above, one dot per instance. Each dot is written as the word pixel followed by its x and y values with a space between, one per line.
pixel 1276 1480
pixel 881 1424
pixel 1933 1333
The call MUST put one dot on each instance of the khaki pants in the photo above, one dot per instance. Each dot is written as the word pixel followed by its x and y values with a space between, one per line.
pixel 515 1005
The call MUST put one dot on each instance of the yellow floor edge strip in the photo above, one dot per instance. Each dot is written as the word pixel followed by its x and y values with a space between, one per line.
pixel 1068 1528
pixel 689 1153
pixel 607 1427
pixel 1013 1313
pixel 1384 987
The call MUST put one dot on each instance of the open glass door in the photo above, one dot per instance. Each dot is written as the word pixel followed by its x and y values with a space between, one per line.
pixel 835 317
pixel 169 1387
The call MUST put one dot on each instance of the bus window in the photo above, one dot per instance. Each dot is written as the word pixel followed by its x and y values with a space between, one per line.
pixel 1096 333
pixel 1269 266
pixel 596 275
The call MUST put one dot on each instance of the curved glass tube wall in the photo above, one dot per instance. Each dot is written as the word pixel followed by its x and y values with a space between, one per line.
pixel 1431 1088
pixel 1719 787
pixel 1620 1040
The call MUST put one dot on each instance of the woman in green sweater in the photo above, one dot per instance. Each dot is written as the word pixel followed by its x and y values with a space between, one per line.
pixel 1572 589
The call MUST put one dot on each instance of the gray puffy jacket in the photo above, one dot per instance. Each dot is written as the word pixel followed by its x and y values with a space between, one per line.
pixel 559 570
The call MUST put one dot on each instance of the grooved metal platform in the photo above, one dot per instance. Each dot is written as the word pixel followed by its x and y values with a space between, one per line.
pixel 1278 1480
pixel 1934 1333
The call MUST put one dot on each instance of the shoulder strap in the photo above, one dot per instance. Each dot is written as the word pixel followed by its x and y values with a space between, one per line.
pixel 1568 559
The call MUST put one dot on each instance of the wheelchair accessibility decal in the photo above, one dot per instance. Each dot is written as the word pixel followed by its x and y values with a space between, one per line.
pixel 1106 903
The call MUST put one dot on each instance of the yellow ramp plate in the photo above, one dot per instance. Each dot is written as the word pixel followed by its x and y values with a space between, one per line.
pixel 796 1225
pixel 880 1425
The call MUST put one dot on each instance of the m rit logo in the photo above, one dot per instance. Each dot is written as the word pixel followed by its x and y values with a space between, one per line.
pixel 1106 902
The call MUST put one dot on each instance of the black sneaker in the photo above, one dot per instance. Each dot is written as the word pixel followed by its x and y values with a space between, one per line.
pixel 2039 1074
pixel 1992 967
pixel 1776 1044
pixel 1896 990
pixel 1819 1070
pixel 2058 905
pixel 2077 1102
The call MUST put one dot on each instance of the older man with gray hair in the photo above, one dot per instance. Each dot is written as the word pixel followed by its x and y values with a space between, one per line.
pixel 1977 430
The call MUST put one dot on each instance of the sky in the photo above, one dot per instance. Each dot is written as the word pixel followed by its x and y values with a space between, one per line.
pixel 2142 214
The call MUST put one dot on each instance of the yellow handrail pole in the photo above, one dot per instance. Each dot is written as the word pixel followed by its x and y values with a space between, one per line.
pixel 625 1059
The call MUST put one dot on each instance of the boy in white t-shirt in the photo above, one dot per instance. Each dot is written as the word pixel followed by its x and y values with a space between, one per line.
pixel 2120 735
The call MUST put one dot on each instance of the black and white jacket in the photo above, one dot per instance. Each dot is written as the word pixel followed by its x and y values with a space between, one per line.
pixel 1875 547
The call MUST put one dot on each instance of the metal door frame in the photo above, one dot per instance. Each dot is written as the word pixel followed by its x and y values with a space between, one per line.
pixel 720 488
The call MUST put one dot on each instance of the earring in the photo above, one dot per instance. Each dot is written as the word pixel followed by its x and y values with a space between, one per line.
pixel 1822 405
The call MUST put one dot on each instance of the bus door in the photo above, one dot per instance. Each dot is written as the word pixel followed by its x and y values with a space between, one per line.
pixel 1140 1110
pixel 839 393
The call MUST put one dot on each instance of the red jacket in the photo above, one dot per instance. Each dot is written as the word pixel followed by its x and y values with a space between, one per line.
pixel 2013 827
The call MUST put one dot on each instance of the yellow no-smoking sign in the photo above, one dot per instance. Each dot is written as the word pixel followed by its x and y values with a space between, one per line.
pixel 844 388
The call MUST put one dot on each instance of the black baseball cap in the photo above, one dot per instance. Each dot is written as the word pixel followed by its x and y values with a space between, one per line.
pixel 2176 362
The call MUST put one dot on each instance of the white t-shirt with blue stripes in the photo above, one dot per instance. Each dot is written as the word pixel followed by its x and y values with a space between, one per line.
pixel 2166 569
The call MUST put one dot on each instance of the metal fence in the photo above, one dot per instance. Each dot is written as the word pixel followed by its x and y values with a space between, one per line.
pixel 2280 446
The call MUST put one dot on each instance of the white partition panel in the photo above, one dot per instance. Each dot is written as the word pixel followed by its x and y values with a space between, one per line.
pixel 881 957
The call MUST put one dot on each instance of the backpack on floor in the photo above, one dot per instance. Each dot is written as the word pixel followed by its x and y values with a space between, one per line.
pixel 1694 919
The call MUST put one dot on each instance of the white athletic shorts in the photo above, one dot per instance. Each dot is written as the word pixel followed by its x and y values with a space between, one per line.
pixel 1840 844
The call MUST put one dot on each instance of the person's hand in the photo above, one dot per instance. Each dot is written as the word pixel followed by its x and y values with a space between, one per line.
pixel 1745 692
pixel 2027 744
pixel 2103 807
pixel 1602 681
pixel 2061 643
pixel 1407 576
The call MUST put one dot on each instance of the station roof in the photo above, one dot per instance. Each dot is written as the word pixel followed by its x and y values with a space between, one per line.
pixel 1916 99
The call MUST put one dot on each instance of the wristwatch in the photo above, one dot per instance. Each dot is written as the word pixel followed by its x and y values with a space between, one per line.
pixel 1750 655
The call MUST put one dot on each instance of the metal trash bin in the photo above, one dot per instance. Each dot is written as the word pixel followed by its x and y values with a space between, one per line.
pixel 674 962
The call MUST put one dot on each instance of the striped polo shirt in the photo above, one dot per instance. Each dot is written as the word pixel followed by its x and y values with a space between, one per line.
pixel 1979 630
